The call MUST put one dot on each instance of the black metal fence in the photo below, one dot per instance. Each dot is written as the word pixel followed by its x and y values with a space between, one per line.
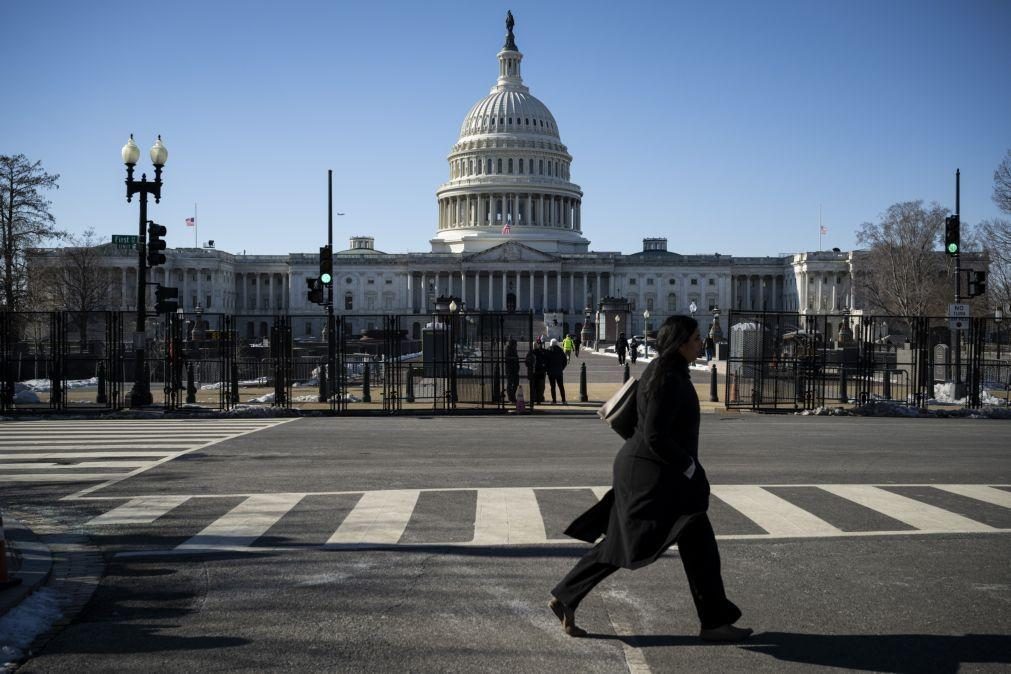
pixel 789 361
pixel 380 364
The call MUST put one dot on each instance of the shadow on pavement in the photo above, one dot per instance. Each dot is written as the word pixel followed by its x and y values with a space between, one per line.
pixel 879 653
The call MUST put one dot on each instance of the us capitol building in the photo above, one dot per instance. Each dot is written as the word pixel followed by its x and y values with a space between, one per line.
pixel 509 238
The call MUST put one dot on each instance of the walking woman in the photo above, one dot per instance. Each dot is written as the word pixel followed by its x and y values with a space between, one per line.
pixel 660 495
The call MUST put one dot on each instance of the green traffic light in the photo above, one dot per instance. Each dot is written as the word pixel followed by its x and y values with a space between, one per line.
pixel 326 278
pixel 952 248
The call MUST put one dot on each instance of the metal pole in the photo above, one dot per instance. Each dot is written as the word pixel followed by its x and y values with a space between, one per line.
pixel 959 390
pixel 331 338
pixel 141 392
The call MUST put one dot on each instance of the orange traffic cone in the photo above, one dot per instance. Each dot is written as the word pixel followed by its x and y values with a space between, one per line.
pixel 521 405
pixel 5 579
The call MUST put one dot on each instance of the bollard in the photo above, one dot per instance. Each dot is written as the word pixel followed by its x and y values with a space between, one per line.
pixel 887 389
pixel 521 405
pixel 102 396
pixel 496 385
pixel 322 382
pixel 713 395
pixel 626 375
pixel 191 389
pixel 734 395
pixel 366 389
pixel 235 384
pixel 843 397
pixel 583 397
pixel 410 384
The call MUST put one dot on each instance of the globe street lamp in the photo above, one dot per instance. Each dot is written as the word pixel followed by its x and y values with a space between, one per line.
pixel 645 332
pixel 140 394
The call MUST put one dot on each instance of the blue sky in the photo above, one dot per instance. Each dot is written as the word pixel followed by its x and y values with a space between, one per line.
pixel 724 126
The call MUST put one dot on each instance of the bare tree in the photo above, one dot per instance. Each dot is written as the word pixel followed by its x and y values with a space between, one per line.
pixel 1002 184
pixel 25 221
pixel 904 273
pixel 995 237
pixel 77 279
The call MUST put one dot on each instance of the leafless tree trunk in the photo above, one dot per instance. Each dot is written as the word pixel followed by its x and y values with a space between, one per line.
pixel 995 237
pixel 25 221
pixel 1002 184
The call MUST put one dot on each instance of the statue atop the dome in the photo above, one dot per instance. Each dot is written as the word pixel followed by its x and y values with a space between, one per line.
pixel 510 42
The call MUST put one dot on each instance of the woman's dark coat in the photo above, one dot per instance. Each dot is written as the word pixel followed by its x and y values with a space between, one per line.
pixel 651 499
pixel 556 361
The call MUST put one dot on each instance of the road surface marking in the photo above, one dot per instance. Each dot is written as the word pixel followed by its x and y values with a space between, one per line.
pixel 776 515
pixel 378 517
pixel 508 515
pixel 243 524
pixel 904 509
pixel 143 510
pixel 980 493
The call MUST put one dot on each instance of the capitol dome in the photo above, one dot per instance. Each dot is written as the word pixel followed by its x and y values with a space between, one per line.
pixel 509 173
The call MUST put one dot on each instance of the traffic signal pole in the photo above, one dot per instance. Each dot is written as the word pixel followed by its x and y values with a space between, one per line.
pixel 959 388
pixel 331 346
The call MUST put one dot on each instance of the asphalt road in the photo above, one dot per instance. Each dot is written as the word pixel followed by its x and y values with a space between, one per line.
pixel 266 550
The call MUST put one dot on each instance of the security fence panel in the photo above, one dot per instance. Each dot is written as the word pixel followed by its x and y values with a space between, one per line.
pixel 91 348
pixel 252 376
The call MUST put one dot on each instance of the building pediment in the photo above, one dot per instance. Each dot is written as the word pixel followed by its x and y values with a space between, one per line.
pixel 511 251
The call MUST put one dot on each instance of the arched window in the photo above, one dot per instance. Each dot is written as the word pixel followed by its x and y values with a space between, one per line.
pixel 499 166
pixel 521 165
pixel 488 170
pixel 672 302
pixel 540 166
pixel 510 165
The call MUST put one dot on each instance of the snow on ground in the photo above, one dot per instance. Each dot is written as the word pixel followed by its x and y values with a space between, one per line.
pixel 42 385
pixel 27 620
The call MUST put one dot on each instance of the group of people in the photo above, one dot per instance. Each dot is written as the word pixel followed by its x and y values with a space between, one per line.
pixel 627 348
pixel 545 365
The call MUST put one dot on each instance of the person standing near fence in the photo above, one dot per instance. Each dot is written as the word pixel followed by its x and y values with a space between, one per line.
pixel 557 360
pixel 537 366
pixel 660 496
pixel 512 369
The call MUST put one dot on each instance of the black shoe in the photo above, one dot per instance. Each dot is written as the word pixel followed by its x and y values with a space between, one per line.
pixel 726 634
pixel 567 616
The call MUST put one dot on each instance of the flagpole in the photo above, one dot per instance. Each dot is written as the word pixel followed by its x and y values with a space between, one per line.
pixel 195 225
pixel 820 230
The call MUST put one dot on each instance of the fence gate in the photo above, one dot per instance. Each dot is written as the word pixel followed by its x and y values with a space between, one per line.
pixel 281 360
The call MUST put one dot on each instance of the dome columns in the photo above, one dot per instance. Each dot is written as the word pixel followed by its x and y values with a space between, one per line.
pixel 519 209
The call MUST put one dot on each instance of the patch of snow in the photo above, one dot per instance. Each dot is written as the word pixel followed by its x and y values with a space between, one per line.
pixel 25 397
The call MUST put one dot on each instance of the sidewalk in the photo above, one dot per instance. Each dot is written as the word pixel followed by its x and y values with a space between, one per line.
pixel 28 560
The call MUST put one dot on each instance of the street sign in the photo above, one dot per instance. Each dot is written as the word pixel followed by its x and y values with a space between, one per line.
pixel 124 239
pixel 958 316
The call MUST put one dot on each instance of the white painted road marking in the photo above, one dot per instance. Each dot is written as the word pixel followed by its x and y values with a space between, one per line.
pixel 378 517
pixel 776 515
pixel 143 510
pixel 980 493
pixel 507 516
pixel 243 524
pixel 904 509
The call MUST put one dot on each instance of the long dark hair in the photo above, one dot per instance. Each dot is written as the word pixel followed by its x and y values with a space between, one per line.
pixel 673 334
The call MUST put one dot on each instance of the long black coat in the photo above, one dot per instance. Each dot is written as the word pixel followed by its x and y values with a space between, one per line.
pixel 651 499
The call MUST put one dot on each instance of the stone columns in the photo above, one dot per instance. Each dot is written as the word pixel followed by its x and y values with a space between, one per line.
pixel 818 302
pixel 531 274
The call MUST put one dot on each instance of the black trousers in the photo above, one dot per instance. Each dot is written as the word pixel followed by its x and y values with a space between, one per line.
pixel 561 387
pixel 700 557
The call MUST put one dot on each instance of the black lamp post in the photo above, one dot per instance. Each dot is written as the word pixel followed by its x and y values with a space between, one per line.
pixel 645 331
pixel 141 392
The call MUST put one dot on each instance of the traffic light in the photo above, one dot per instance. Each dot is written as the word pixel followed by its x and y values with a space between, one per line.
pixel 326 265
pixel 951 235
pixel 165 301
pixel 977 283
pixel 315 293
pixel 155 243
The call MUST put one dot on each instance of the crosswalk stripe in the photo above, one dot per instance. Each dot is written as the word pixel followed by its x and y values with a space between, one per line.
pixel 600 491
pixel 244 523
pixel 508 515
pixel 776 515
pixel 56 477
pixel 907 510
pixel 31 454
pixel 143 510
pixel 980 493
pixel 378 517
pixel 104 445
pixel 80 464
pixel 40 438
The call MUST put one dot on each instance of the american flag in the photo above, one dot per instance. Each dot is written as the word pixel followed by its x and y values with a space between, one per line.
pixel 505 229
pixel 191 222
pixel 824 230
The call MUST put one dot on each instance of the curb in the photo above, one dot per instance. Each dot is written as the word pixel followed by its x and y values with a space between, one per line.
pixel 32 559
